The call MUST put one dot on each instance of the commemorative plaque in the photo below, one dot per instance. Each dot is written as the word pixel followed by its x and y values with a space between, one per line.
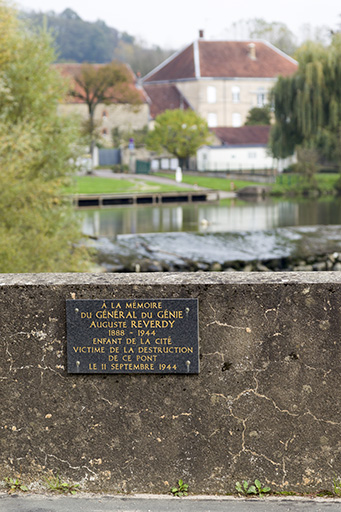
pixel 132 336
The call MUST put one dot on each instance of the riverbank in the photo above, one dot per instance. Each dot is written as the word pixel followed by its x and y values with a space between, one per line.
pixel 104 181
pixel 313 248
pixel 282 185
pixel 321 262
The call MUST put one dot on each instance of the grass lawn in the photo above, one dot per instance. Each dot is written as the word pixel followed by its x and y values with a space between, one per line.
pixel 97 185
pixel 211 182
pixel 288 183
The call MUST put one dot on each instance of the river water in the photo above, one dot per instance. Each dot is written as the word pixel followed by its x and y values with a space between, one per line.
pixel 211 232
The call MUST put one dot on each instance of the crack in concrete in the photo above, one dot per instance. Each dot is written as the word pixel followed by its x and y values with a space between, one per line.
pixel 46 455
pixel 28 334
pixel 221 324
pixel 329 422
pixel 43 368
pixel 272 309
pixel 11 360
pixel 284 469
pixel 208 354
pixel 181 414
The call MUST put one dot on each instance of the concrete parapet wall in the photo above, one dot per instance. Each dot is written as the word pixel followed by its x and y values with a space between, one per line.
pixel 265 405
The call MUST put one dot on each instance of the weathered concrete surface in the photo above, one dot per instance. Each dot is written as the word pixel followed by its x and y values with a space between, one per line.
pixel 265 405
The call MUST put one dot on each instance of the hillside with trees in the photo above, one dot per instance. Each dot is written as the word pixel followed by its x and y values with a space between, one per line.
pixel 76 40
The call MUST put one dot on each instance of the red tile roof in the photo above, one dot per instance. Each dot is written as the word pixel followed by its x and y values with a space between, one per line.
pixel 164 97
pixel 244 135
pixel 224 59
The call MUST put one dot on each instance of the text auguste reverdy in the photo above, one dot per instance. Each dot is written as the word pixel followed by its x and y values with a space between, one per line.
pixel 132 336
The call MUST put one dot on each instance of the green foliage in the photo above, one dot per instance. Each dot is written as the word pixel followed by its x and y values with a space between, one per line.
pixel 261 490
pixel 307 165
pixel 285 493
pixel 15 485
pixel 119 168
pixel 55 484
pixel 179 132
pixel 245 488
pixel 337 486
pixel 180 490
pixel 38 232
pixel 337 186
pixel 141 58
pixel 106 84
pixel 296 184
pixel 76 40
pixel 308 103
pixel 121 137
pixel 258 116
pixel 255 488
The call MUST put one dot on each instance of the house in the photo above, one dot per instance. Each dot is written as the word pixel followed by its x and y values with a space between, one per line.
pixel 163 97
pixel 220 80
pixel 242 149
pixel 107 117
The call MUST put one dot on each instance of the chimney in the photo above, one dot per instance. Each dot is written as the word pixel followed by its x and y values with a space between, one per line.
pixel 201 34
pixel 252 51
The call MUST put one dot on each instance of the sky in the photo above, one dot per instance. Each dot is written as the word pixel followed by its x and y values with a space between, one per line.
pixel 176 23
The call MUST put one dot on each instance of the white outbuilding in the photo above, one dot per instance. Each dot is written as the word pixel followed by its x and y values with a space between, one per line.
pixel 238 149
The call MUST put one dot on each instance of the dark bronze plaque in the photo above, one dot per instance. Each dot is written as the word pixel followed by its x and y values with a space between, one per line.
pixel 132 336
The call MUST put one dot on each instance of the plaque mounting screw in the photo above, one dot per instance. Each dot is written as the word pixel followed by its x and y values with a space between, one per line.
pixel 187 311
pixel 77 310
pixel 188 365
pixel 78 364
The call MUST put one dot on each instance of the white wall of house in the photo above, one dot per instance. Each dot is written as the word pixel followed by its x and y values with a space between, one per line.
pixel 226 102
pixel 235 158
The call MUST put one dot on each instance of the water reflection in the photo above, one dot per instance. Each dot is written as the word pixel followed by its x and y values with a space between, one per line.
pixel 206 218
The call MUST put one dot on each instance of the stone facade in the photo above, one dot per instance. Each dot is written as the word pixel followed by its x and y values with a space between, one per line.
pixel 125 117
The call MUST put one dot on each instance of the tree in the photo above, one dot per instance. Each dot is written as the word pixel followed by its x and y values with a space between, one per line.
pixel 180 133
pixel 141 58
pixel 38 231
pixel 307 165
pixel 109 83
pixel 277 33
pixel 76 40
pixel 308 103
pixel 258 116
